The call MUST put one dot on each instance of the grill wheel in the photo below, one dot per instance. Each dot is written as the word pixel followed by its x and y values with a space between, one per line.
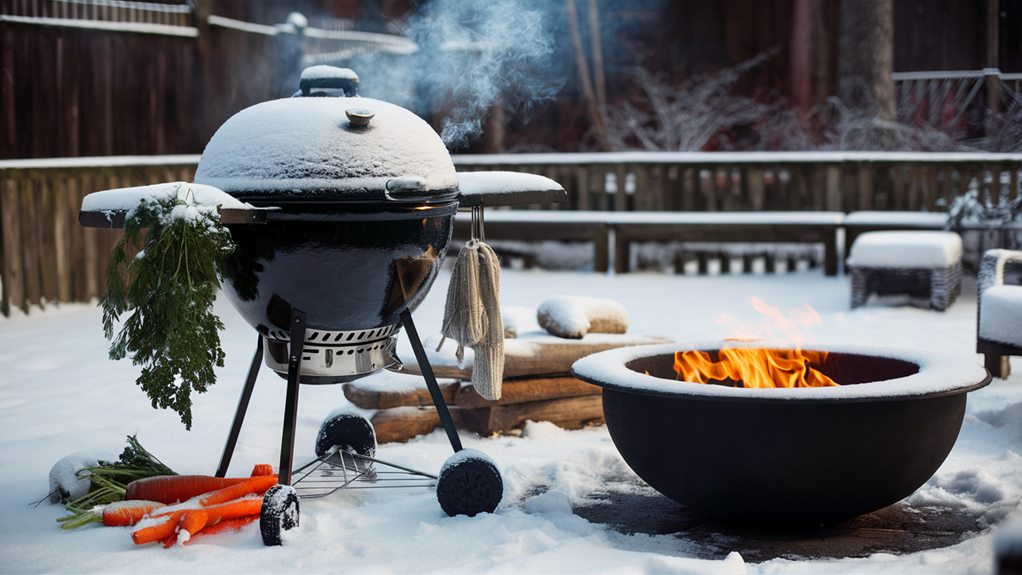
pixel 279 513
pixel 469 487
pixel 348 430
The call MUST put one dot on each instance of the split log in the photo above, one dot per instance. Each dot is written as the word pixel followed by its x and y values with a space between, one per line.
pixel 370 394
pixel 527 390
pixel 535 355
pixel 569 413
pixel 403 423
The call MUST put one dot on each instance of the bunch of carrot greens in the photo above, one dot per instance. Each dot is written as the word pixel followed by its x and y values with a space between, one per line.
pixel 109 482
pixel 169 288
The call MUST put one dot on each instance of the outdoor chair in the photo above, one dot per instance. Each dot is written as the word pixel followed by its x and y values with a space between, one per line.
pixel 920 264
pixel 999 309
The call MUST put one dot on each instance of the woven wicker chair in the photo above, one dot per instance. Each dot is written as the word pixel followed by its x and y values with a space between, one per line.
pixel 936 277
pixel 998 297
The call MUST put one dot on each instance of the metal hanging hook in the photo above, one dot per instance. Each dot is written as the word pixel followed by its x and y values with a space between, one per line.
pixel 478 229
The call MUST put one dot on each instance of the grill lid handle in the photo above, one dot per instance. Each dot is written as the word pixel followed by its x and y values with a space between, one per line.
pixel 328 81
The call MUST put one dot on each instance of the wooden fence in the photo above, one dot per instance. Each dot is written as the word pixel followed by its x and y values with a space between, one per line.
pixel 721 181
pixel 48 258
pixel 120 77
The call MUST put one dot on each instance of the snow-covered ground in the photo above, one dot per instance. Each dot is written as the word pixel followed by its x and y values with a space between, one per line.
pixel 59 394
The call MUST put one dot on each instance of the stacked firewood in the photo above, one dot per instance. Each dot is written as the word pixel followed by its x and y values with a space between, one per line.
pixel 537 386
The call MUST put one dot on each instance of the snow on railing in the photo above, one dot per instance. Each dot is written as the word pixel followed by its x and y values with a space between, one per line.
pixel 942 98
pixel 48 258
pixel 53 12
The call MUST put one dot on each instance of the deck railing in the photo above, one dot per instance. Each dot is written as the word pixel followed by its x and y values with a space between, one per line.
pixel 122 11
pixel 48 258
pixel 723 181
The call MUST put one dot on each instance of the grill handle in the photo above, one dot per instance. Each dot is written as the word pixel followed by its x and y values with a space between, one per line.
pixel 328 81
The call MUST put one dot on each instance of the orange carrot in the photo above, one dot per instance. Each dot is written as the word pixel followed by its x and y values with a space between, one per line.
pixel 128 512
pixel 262 469
pixel 162 527
pixel 248 505
pixel 224 526
pixel 171 489
pixel 236 509
pixel 258 484
pixel 192 521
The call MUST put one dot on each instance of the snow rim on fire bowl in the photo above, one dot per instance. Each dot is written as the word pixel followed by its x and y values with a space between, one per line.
pixel 938 375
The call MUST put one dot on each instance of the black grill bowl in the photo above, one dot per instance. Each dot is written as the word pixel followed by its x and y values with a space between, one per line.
pixel 347 267
pixel 781 456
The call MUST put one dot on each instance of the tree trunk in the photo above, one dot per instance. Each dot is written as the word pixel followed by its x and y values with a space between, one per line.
pixel 866 84
pixel 585 82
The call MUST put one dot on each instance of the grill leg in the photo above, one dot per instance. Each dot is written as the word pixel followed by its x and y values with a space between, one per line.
pixel 239 414
pixel 431 384
pixel 294 366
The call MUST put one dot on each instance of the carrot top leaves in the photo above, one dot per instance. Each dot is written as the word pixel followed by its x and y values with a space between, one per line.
pixel 169 289
pixel 109 480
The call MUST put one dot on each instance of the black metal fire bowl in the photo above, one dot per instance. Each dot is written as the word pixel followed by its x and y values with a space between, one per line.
pixel 785 456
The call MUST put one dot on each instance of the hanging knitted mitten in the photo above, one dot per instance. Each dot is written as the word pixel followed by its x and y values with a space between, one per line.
pixel 472 315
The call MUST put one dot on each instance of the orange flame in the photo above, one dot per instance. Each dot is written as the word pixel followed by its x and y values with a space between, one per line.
pixel 759 367
pixel 753 367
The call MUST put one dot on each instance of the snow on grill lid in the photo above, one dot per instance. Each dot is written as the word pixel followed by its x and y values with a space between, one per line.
pixel 305 149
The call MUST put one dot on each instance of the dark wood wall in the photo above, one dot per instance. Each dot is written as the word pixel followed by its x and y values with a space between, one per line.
pixel 71 91
pixel 75 92
pixel 953 34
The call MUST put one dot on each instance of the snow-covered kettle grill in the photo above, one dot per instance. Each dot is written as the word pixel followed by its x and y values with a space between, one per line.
pixel 352 204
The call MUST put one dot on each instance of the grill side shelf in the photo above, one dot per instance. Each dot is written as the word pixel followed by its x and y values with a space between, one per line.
pixel 485 189
pixel 469 199
pixel 112 219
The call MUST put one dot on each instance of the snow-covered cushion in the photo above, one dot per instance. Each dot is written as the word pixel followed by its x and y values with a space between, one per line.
pixel 906 249
pixel 1000 315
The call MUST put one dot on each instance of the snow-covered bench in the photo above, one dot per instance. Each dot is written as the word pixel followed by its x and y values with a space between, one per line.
pixel 916 263
pixel 999 303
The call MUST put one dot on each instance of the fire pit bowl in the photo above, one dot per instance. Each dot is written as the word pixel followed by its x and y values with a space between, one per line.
pixel 785 456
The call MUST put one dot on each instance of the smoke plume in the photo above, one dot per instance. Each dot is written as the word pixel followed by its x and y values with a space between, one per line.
pixel 472 55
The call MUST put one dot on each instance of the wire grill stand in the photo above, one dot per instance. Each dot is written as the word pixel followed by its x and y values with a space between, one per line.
pixel 337 469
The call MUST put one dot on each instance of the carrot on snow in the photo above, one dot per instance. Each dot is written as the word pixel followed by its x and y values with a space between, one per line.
pixel 170 489
pixel 236 509
pixel 192 521
pixel 162 527
pixel 224 526
pixel 127 512
pixel 262 469
pixel 166 527
pixel 257 484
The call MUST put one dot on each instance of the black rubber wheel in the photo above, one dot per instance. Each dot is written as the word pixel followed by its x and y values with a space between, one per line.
pixel 348 430
pixel 469 487
pixel 279 513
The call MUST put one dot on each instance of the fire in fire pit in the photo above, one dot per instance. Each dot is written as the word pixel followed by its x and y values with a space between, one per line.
pixel 753 367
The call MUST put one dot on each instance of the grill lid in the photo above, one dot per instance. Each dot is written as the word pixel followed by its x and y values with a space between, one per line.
pixel 328 149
